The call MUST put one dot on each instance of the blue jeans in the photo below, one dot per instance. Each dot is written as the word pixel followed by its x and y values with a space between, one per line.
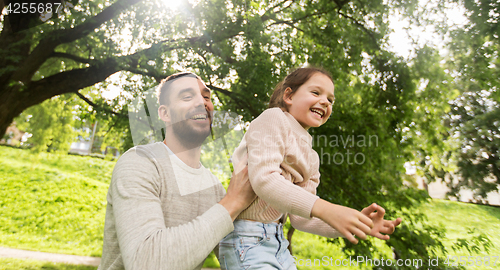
pixel 255 245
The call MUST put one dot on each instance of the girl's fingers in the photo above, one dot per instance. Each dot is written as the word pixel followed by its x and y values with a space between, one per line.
pixel 370 209
pixel 366 220
pixel 381 236
pixel 363 228
pixel 397 222
pixel 387 228
pixel 359 233
pixel 350 237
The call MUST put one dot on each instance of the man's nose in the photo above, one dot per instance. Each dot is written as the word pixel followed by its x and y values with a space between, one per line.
pixel 199 100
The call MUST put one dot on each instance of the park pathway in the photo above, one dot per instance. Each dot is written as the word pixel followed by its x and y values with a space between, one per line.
pixel 44 256
pixel 52 257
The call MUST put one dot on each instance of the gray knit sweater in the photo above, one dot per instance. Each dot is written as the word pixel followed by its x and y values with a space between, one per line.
pixel 161 213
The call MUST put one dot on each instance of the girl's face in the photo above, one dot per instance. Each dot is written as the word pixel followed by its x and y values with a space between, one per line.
pixel 311 104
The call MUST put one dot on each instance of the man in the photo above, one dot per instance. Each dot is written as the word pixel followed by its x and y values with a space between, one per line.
pixel 165 210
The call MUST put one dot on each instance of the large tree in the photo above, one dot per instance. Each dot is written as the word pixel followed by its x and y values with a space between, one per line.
pixel 49 55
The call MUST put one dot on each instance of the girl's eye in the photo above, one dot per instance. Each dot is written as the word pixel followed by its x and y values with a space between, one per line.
pixel 315 92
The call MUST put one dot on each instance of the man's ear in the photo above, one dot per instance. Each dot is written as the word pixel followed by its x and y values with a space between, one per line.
pixel 164 113
pixel 287 96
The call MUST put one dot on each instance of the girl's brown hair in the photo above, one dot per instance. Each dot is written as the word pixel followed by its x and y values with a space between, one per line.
pixel 293 81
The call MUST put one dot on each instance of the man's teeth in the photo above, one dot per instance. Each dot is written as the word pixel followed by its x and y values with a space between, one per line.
pixel 199 117
pixel 320 113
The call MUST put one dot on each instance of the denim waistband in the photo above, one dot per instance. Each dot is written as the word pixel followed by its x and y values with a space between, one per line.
pixel 256 226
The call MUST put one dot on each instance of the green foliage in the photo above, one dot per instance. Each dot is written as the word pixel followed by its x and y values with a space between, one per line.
pixel 474 243
pixel 51 124
pixel 211 261
pixel 474 117
pixel 458 128
pixel 432 148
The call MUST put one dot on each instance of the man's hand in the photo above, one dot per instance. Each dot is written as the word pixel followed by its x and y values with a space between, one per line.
pixel 239 193
pixel 347 221
pixel 380 225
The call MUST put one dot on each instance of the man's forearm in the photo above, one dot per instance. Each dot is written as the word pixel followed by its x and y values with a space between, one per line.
pixel 181 247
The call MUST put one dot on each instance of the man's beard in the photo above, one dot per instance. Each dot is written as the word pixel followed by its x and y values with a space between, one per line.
pixel 184 132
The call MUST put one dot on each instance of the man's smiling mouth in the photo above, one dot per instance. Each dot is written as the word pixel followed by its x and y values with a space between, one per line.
pixel 200 116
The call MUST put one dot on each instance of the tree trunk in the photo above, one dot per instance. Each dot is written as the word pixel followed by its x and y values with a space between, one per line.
pixel 289 235
pixel 19 63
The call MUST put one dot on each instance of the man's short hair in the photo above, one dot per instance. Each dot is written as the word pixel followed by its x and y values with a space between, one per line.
pixel 164 86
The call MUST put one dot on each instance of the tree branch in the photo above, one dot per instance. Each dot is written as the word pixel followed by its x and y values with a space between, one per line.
pixel 340 4
pixel 47 45
pixel 150 73
pixel 72 57
pixel 280 4
pixel 69 81
pixel 100 108
pixel 363 27
pixel 235 98
pixel 291 22
pixel 73 80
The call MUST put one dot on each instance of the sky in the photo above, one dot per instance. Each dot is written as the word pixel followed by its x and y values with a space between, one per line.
pixel 401 40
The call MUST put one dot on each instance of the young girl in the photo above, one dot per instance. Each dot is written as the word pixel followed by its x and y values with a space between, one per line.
pixel 284 173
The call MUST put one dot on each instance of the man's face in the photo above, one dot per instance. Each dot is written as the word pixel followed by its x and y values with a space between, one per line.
pixel 190 110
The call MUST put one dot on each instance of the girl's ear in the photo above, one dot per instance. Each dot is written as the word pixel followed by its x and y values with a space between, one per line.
pixel 287 96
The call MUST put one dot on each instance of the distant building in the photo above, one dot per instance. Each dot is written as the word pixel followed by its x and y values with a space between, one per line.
pixel 438 189
pixel 13 136
pixel 93 148
pixel 80 148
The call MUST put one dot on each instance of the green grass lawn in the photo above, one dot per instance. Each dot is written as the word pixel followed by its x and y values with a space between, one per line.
pixel 463 221
pixel 57 203
pixel 18 264
pixel 52 202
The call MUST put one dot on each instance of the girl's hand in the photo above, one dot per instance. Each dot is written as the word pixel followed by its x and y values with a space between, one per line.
pixel 347 221
pixel 380 225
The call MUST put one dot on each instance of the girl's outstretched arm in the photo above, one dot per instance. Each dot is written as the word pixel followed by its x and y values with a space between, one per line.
pixel 314 226
pixel 348 221
pixel 374 212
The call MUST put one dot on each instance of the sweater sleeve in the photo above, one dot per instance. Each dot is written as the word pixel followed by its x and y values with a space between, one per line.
pixel 314 226
pixel 266 144
pixel 145 242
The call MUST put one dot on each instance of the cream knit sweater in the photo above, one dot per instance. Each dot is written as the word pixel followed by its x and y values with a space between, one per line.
pixel 159 214
pixel 283 170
